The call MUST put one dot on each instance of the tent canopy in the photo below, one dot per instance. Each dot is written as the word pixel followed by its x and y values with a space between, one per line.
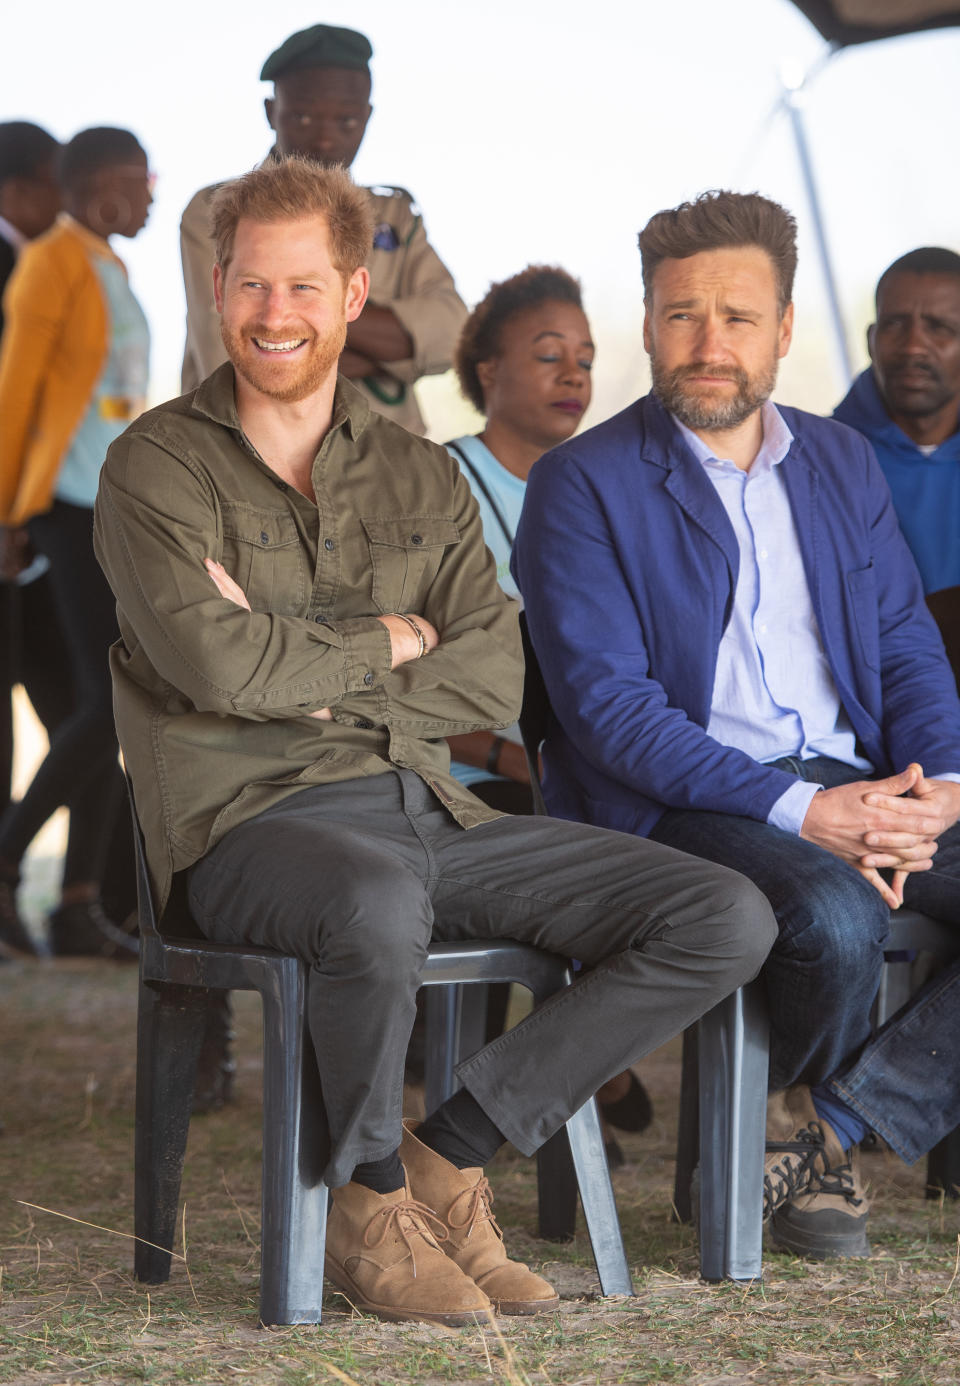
pixel 858 21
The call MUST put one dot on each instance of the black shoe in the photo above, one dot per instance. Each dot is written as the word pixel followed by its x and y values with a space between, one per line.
pixel 82 930
pixel 15 939
pixel 631 1112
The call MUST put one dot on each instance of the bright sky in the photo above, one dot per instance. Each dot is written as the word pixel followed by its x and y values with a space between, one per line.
pixel 530 132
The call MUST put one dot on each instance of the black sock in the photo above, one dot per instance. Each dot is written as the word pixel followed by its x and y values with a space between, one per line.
pixel 382 1176
pixel 461 1132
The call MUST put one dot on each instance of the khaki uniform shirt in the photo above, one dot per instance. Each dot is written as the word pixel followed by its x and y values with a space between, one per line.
pixel 406 275
pixel 211 700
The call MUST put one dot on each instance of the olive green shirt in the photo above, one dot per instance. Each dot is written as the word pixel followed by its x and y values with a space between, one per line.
pixel 211 700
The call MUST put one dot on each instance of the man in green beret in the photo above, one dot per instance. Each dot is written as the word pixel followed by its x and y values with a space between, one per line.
pixel 319 109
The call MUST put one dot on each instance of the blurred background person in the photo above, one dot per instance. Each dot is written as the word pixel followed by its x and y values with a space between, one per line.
pixel 524 360
pixel 73 373
pixel 319 110
pixel 31 650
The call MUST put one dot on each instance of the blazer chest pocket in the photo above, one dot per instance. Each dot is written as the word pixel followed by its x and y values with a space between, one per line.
pixel 405 554
pixel 261 551
pixel 862 586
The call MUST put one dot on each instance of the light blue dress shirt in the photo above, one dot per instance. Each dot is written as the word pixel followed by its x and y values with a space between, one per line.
pixel 774 694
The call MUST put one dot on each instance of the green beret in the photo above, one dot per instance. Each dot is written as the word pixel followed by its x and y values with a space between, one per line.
pixel 323 45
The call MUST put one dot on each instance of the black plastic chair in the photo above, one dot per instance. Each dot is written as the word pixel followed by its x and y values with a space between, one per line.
pixel 723 1100
pixel 177 974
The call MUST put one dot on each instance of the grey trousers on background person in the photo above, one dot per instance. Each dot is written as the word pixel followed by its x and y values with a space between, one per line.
pixel 358 877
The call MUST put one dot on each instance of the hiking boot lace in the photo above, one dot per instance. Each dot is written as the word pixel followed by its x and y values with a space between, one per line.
pixel 839 1181
pixel 408 1219
pixel 792 1175
pixel 478 1202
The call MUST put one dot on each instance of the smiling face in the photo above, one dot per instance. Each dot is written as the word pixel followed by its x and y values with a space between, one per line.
pixel 538 385
pixel 320 113
pixel 915 349
pixel 714 333
pixel 284 306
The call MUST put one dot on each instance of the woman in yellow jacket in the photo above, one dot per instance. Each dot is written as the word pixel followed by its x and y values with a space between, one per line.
pixel 73 373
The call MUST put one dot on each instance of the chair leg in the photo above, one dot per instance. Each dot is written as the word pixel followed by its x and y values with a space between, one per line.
pixel 295 1146
pixel 688 1128
pixel 556 1189
pixel 943 1167
pixel 733 1048
pixel 596 1195
pixel 170 1025
pixel 442 1007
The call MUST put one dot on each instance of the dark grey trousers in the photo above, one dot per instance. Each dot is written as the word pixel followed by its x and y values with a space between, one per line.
pixel 358 877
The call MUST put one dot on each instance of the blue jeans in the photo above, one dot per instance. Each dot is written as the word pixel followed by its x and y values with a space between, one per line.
pixel 824 970
pixel 906 1082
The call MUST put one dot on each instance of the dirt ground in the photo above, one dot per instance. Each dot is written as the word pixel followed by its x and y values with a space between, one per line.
pixel 70 1310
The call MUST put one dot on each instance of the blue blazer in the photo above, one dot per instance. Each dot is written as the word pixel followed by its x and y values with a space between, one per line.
pixel 627 563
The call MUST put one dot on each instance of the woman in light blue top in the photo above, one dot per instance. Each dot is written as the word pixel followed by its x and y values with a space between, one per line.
pixel 524 359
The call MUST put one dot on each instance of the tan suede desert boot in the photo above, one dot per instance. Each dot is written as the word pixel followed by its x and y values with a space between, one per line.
pixel 462 1199
pixel 383 1251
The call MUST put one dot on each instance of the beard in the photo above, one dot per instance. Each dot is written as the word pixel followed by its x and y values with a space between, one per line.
pixel 284 380
pixel 701 411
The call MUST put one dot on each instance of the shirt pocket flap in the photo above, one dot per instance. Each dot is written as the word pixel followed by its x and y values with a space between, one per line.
pixel 410 531
pixel 251 524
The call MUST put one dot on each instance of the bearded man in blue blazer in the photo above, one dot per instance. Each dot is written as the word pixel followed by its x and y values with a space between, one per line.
pixel 734 639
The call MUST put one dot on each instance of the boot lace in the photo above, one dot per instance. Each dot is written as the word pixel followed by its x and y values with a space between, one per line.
pixel 839 1181
pixel 791 1175
pixel 409 1220
pixel 477 1206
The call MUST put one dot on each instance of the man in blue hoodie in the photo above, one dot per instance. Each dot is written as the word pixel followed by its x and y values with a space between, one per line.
pixel 908 405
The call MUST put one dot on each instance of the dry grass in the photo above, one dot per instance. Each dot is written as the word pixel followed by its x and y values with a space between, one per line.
pixel 70 1311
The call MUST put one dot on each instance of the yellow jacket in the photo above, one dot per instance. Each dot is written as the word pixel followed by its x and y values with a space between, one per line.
pixel 55 343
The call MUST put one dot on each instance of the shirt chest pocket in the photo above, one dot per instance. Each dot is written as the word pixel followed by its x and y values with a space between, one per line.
pixel 262 552
pixel 405 555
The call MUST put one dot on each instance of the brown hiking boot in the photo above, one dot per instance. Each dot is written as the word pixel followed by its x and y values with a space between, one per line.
pixel 383 1251
pixel 794 1146
pixel 830 1219
pixel 463 1199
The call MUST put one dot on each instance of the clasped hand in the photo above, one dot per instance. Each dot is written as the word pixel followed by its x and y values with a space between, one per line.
pixel 404 643
pixel 884 824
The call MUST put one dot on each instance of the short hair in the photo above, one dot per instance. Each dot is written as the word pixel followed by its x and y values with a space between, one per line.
pixel 94 149
pixel 928 259
pixel 716 220
pixel 289 190
pixel 24 149
pixel 482 331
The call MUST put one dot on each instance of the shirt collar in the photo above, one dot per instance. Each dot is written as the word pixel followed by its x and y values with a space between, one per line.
pixel 97 245
pixel 215 398
pixel 12 236
pixel 774 448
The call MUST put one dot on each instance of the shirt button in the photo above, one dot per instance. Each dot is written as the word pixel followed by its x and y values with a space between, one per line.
pixel 280 485
pixel 763 630
pixel 264 537
pixel 368 678
pixel 329 545
pixel 763 553
pixel 319 620
pixel 363 724
pixel 416 538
